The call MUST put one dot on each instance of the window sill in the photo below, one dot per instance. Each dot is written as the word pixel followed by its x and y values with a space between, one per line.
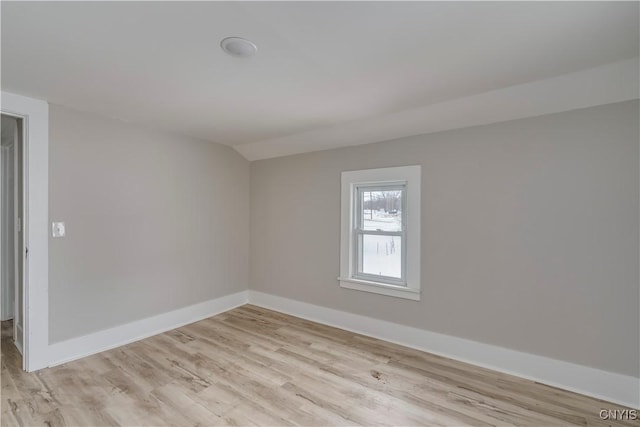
pixel 380 288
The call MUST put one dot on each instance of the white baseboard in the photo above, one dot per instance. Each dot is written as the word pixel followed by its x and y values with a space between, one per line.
pixel 76 348
pixel 18 345
pixel 609 386
pixel 20 334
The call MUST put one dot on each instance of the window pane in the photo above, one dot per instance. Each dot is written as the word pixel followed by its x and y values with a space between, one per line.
pixel 382 255
pixel 381 210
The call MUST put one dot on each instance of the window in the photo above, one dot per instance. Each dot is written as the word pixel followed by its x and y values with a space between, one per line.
pixel 379 228
pixel 380 234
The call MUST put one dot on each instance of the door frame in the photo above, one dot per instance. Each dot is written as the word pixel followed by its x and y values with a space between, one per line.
pixel 19 199
pixel 35 156
pixel 18 244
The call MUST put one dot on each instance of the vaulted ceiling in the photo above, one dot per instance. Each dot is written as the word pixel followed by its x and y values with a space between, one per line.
pixel 326 74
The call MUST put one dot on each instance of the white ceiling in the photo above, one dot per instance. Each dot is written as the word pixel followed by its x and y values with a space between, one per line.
pixel 323 71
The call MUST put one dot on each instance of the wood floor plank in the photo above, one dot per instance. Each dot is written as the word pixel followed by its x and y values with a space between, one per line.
pixel 252 366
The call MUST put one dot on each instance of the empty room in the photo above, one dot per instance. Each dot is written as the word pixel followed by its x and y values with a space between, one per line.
pixel 320 213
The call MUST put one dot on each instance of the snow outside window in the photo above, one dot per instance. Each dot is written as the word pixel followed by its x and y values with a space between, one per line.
pixel 380 235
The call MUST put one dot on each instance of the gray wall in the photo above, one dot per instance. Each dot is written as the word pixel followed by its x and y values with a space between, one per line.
pixel 155 222
pixel 529 241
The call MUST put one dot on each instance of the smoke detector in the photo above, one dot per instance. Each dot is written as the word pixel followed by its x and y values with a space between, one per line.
pixel 239 47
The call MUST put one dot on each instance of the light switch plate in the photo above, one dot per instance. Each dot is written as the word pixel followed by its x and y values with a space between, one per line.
pixel 57 229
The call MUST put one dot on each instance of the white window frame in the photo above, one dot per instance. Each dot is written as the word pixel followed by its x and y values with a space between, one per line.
pixel 359 231
pixel 409 177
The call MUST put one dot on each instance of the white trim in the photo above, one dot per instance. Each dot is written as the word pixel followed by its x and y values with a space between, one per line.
pixel 76 348
pixel 19 332
pixel 18 346
pixel 35 114
pixel 381 288
pixel 593 382
pixel 19 242
pixel 601 384
pixel 409 176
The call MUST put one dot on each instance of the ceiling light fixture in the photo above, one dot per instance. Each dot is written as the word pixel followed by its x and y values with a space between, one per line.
pixel 237 46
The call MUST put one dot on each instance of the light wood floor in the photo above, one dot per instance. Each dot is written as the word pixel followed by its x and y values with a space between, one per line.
pixel 252 366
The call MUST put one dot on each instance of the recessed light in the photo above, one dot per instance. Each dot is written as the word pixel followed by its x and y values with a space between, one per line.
pixel 237 46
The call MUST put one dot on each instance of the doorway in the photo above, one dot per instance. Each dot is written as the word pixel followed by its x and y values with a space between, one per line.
pixel 12 224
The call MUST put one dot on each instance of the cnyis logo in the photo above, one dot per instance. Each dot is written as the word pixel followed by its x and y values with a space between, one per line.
pixel 619 414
